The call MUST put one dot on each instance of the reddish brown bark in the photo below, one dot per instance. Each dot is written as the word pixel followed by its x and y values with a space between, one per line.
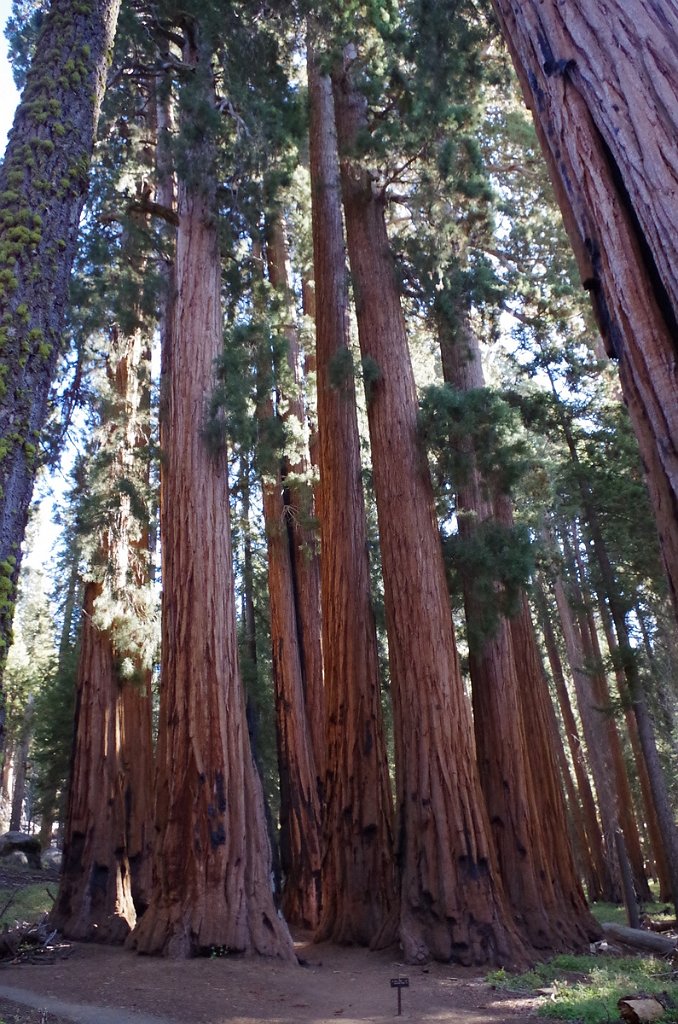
pixel 95 892
pixel 601 82
pixel 299 803
pixel 519 778
pixel 452 904
pixel 299 505
pixel 105 880
pixel 357 869
pixel 211 877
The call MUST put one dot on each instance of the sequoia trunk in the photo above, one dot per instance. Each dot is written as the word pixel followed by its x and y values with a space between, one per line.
pixel 357 869
pixel 601 81
pixel 452 904
pixel 211 886
pixel 519 778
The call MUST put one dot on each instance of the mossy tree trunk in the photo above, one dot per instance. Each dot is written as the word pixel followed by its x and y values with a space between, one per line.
pixel 43 183
pixel 357 868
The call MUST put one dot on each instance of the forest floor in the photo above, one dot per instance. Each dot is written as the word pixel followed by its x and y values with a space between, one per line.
pixel 93 984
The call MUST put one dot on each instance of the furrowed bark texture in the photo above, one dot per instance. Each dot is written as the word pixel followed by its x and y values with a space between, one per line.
pixel 95 891
pixel 601 80
pixel 211 879
pixel 299 803
pixel 108 829
pixel 299 505
pixel 452 904
pixel 358 892
pixel 526 808
pixel 43 182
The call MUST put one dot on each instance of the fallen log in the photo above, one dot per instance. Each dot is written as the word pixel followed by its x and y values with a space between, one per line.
pixel 640 939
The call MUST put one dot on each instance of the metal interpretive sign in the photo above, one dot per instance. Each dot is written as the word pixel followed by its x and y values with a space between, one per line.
pixel 400 984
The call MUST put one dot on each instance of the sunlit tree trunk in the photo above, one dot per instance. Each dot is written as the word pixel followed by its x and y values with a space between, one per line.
pixel 601 81
pixel 20 763
pixel 649 809
pixel 452 904
pixel 357 869
pixel 595 734
pixel 211 877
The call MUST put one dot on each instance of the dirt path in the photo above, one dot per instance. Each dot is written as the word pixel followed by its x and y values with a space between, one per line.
pixel 101 985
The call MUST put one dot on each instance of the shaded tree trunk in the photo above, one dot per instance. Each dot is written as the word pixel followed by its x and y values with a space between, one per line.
pixel 601 84
pixel 452 904
pixel 43 182
pixel 106 878
pixel 20 765
pixel 299 506
pixel 299 800
pixel 595 734
pixel 95 891
pixel 599 884
pixel 357 868
pixel 519 778
pixel 211 877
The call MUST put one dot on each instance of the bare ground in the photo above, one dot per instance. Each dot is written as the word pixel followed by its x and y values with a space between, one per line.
pixel 102 985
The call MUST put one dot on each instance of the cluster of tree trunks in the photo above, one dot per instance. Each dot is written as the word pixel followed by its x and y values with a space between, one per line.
pixel 465 868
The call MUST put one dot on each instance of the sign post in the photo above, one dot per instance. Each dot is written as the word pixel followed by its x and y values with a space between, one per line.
pixel 400 984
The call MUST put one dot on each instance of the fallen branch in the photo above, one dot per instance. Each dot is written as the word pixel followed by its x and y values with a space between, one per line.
pixel 640 939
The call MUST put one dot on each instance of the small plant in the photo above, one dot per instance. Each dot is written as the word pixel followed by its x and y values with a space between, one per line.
pixel 586 989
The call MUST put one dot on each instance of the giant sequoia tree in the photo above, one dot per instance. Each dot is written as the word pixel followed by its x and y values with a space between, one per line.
pixel 452 903
pixel 357 871
pixel 43 182
pixel 601 83
pixel 212 858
